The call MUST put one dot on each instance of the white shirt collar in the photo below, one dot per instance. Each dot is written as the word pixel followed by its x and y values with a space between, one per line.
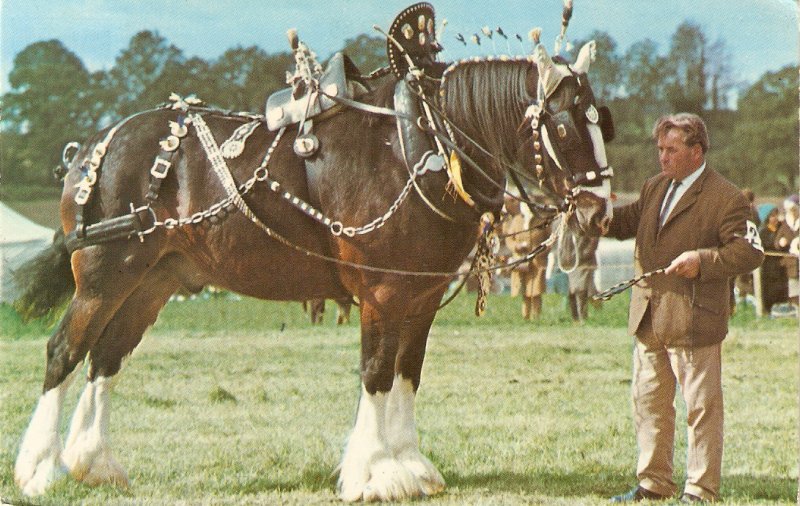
pixel 691 178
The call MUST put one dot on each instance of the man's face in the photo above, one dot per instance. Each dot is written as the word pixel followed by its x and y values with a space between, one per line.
pixel 676 158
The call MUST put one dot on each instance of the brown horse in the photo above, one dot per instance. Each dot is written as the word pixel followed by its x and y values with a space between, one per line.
pixel 531 115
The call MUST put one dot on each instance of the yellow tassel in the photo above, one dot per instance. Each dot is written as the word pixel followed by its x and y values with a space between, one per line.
pixel 455 177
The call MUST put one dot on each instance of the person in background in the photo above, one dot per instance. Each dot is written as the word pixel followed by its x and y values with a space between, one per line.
pixel 743 283
pixel 692 221
pixel 787 241
pixel 581 278
pixel 523 234
pixel 774 288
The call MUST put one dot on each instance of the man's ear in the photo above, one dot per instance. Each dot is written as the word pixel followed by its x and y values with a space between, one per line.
pixel 697 151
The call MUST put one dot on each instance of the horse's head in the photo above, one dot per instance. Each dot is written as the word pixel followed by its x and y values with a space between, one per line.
pixel 568 135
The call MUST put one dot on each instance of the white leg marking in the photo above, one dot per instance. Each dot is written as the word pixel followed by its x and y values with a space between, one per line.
pixel 365 446
pixel 87 454
pixel 403 438
pixel 382 459
pixel 38 463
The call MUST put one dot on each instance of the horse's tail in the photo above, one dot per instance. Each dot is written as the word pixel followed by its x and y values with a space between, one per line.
pixel 45 281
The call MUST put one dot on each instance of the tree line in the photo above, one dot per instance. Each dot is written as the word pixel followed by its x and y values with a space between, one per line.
pixel 54 99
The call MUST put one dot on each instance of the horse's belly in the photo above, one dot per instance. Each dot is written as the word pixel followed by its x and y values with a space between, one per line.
pixel 257 266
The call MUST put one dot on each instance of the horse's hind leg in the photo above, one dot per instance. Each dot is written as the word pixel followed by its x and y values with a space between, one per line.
pixel 87 453
pixel 104 278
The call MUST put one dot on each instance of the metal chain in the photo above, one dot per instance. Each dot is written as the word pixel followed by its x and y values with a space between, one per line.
pixel 334 226
pixel 261 174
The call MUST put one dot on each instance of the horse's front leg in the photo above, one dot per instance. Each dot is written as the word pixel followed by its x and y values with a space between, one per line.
pixel 400 414
pixel 382 459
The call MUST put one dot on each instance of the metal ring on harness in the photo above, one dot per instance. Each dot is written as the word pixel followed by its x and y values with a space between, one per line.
pixel 155 222
pixel 261 174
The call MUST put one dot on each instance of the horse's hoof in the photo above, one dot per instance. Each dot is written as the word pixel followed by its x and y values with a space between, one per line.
pixel 95 468
pixel 428 477
pixel 392 480
pixel 36 477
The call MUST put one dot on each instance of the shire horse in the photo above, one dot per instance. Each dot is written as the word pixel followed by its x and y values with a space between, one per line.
pixel 501 112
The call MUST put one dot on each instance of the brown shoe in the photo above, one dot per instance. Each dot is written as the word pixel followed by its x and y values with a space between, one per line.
pixel 638 494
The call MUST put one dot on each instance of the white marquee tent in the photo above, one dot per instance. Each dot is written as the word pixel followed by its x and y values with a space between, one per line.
pixel 20 240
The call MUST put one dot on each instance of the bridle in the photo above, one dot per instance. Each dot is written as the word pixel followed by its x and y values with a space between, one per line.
pixel 544 123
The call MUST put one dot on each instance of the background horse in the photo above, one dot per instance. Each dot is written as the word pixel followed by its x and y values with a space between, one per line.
pixel 121 285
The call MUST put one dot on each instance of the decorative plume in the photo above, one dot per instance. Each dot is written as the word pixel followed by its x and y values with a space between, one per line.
pixel 461 39
pixel 291 34
pixel 487 32
pixel 535 35
pixel 476 39
pixel 499 31
pixel 521 45
pixel 440 32
pixel 566 14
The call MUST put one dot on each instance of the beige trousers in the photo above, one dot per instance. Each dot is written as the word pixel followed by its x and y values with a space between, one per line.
pixel 657 369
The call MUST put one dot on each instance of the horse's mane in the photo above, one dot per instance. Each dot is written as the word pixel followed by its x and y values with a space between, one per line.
pixel 487 100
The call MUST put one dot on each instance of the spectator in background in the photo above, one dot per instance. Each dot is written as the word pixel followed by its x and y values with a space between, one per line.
pixel 581 278
pixel 527 278
pixel 787 241
pixel 744 282
pixel 773 274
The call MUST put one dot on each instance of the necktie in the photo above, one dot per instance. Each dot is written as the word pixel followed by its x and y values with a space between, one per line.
pixel 665 210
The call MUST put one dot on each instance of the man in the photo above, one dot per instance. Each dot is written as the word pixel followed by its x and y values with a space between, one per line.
pixel 696 223
pixel 528 278
pixel 581 278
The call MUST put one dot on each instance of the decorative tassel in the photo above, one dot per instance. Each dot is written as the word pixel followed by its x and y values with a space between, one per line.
pixel 535 35
pixel 485 258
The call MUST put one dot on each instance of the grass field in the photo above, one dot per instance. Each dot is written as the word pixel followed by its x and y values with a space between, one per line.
pixel 243 402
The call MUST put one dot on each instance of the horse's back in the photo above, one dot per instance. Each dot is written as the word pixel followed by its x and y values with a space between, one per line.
pixel 226 249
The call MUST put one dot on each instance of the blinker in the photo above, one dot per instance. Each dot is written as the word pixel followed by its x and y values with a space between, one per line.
pixel 606 124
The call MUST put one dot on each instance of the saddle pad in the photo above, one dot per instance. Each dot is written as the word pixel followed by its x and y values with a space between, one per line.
pixel 283 109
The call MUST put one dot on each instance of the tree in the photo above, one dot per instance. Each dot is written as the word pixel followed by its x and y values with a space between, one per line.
pixel 368 53
pixel 244 77
pixel 686 88
pixel 139 66
pixel 763 152
pixel 606 69
pixel 720 75
pixel 48 106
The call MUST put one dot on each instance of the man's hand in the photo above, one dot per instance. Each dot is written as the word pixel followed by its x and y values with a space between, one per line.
pixel 687 265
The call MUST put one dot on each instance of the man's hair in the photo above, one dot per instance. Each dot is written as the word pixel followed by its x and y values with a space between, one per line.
pixel 692 126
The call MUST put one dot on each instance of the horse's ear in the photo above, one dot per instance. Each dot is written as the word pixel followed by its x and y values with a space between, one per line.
pixel 586 56
pixel 544 67
pixel 543 61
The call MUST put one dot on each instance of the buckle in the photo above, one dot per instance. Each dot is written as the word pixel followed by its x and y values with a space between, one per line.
pixel 82 197
pixel 160 168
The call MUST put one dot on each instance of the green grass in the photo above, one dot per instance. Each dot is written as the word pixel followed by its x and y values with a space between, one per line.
pixel 244 402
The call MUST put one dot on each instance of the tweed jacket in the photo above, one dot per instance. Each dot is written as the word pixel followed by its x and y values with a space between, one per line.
pixel 712 217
